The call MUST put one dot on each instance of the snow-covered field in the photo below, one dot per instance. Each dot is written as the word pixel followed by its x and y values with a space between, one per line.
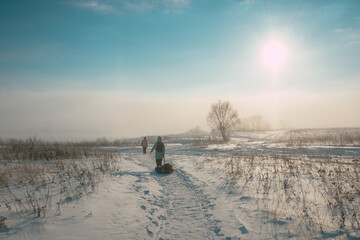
pixel 251 188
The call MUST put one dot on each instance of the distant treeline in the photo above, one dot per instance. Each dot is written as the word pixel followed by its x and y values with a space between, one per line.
pixel 253 123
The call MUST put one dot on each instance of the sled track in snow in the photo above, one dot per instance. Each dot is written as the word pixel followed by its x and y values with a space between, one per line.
pixel 187 214
pixel 210 223
pixel 178 208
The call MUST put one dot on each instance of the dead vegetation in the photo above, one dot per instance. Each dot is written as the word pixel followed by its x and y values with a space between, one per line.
pixel 307 137
pixel 203 142
pixel 314 196
pixel 37 176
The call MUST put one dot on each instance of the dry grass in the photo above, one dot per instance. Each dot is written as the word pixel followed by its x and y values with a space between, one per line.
pixel 37 176
pixel 335 136
pixel 204 142
pixel 30 151
pixel 320 196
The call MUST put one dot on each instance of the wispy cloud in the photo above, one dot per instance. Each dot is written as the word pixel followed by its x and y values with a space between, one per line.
pixel 96 6
pixel 144 5
pixel 350 35
pixel 241 2
pixel 138 6
pixel 175 3
pixel 135 5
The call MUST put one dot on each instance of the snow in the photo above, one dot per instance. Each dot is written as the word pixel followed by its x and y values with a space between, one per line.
pixel 196 201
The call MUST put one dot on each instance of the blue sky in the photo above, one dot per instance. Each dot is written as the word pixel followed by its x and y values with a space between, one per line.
pixel 184 48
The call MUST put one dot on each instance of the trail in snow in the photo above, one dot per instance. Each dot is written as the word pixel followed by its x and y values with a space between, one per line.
pixel 182 211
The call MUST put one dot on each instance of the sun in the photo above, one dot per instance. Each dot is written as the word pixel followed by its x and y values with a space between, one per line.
pixel 274 55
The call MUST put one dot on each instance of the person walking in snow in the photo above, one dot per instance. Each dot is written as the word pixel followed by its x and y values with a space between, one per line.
pixel 144 144
pixel 159 148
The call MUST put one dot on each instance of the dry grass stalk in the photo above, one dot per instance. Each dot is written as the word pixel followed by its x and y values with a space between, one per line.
pixel 33 177
pixel 322 196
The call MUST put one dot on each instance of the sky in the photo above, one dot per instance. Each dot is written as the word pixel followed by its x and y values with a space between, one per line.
pixel 82 69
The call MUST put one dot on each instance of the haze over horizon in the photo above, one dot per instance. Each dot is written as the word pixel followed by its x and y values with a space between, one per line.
pixel 80 69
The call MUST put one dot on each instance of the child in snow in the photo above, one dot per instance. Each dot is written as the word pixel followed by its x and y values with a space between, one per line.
pixel 144 144
pixel 159 148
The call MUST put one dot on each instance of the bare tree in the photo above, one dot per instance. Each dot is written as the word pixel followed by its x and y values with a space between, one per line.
pixel 222 117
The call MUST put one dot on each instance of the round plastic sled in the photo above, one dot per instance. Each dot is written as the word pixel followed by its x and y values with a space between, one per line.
pixel 167 168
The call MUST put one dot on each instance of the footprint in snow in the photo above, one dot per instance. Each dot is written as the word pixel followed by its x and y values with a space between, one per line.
pixel 245 198
pixel 137 188
pixel 149 232
pixel 153 210
pixel 243 229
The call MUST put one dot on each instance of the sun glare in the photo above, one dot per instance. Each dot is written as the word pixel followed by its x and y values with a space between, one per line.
pixel 274 55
